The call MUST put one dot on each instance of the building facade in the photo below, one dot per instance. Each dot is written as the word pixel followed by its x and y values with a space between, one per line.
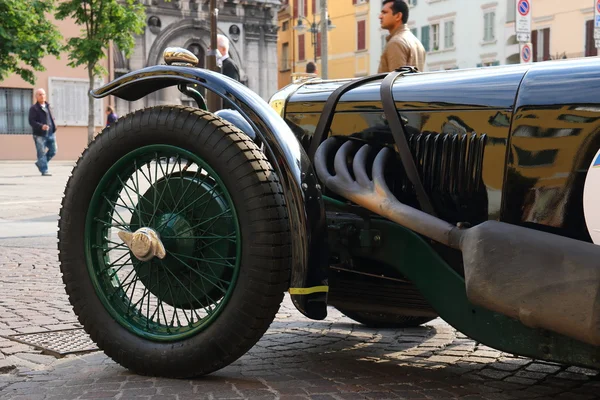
pixel 455 34
pixel 300 42
pixel 66 90
pixel 459 34
pixel 249 24
pixel 559 29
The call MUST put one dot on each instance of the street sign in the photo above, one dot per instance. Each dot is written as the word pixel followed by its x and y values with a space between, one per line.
pixel 526 53
pixel 523 37
pixel 523 17
pixel 597 21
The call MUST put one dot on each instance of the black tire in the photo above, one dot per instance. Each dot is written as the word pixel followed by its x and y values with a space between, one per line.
pixel 264 270
pixel 384 320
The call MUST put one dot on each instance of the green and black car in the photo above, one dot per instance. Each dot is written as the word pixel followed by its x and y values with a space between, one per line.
pixel 472 195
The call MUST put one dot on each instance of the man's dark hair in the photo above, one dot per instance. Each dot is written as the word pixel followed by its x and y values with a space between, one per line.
pixel 311 68
pixel 399 6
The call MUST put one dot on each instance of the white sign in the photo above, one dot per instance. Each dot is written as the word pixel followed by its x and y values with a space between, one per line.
pixel 523 37
pixel 591 194
pixel 526 53
pixel 523 16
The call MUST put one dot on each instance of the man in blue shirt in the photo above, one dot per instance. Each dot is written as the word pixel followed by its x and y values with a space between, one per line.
pixel 44 131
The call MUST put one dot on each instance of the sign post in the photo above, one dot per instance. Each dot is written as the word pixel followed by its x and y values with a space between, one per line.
pixel 523 21
pixel 597 23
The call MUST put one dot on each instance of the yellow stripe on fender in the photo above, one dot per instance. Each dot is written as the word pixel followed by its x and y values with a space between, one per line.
pixel 309 290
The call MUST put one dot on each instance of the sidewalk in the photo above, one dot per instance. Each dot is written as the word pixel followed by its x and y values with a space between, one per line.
pixel 296 359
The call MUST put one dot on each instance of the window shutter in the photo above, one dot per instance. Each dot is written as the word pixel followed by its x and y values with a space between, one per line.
pixel 546 43
pixel 301 48
pixel 496 63
pixel 361 31
pixel 448 34
pixel 353 1
pixel 295 9
pixel 318 51
pixel 479 65
pixel 425 37
pixel 69 100
pixel 305 8
pixel 534 37
pixel 314 6
pixel 590 43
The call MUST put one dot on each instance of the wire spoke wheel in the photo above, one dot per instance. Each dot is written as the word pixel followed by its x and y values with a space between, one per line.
pixel 174 242
pixel 178 196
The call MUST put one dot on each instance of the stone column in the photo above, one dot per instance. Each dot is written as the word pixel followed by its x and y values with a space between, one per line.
pixel 252 56
pixel 271 62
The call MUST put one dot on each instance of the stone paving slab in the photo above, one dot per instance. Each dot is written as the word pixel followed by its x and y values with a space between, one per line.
pixel 296 359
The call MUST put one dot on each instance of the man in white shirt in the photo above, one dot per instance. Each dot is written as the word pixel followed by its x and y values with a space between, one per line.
pixel 227 65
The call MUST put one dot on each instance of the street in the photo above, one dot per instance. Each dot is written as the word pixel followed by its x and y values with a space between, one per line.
pixel 296 359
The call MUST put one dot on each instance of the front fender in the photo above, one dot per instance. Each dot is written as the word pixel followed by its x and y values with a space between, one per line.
pixel 308 284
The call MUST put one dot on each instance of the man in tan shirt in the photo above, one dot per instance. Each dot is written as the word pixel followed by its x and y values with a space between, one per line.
pixel 402 47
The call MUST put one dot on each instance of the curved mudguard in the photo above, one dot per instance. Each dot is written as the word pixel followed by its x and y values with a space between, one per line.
pixel 308 284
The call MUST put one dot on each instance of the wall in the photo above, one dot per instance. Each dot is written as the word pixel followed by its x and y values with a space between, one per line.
pixel 71 140
pixel 566 20
pixel 469 48
pixel 344 60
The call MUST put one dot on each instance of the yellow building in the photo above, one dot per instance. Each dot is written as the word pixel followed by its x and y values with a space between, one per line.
pixel 300 37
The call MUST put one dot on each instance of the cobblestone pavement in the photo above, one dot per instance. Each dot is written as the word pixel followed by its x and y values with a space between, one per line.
pixel 296 359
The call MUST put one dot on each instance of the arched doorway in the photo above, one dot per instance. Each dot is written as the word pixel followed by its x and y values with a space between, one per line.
pixel 198 51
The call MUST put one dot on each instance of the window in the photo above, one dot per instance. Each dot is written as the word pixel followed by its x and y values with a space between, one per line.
pixel 361 33
pixel 69 100
pixel 14 110
pixel 412 2
pixel 285 26
pixel 425 37
pixel 301 49
pixel 540 41
pixel 489 29
pixel 435 37
pixel 590 42
pixel 448 34
pixel 415 32
pixel 511 10
pixel 285 57
pixel 488 64
pixel 300 8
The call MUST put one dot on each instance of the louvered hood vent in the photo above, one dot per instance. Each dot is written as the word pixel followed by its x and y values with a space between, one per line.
pixel 451 169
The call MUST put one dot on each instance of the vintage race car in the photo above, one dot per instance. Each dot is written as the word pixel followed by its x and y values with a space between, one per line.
pixel 472 195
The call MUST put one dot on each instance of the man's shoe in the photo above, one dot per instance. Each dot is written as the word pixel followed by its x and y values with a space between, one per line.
pixel 46 173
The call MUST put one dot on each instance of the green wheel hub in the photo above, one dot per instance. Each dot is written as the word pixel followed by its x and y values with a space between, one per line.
pixel 181 198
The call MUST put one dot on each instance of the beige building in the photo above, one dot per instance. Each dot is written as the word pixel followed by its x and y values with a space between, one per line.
pixel 67 90
pixel 560 29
